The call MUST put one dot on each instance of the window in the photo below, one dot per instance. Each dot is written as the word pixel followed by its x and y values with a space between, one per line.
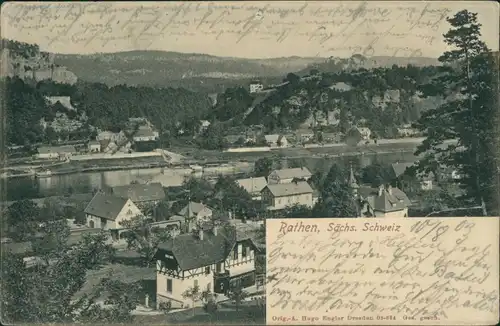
pixel 244 251
pixel 235 254
pixel 129 212
pixel 207 270
pixel 195 283
pixel 169 285
pixel 218 267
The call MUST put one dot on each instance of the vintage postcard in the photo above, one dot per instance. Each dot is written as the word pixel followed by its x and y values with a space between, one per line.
pixel 165 162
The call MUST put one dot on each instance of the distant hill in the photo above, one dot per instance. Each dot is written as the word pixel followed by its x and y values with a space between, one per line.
pixel 335 65
pixel 201 72
pixel 172 69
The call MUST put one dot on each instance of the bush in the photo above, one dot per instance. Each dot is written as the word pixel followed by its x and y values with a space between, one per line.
pixel 210 306
pixel 165 306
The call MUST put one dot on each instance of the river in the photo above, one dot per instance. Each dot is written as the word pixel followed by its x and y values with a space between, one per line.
pixel 57 185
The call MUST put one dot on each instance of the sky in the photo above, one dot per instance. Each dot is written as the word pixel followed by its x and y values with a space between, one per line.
pixel 245 29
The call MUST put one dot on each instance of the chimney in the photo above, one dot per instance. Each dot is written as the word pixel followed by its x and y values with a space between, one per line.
pixel 215 230
pixel 389 189
pixel 230 214
pixel 380 190
pixel 200 234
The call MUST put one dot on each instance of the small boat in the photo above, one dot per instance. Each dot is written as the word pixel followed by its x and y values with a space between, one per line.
pixel 43 174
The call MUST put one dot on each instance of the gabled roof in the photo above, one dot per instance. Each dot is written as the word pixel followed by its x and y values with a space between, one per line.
pixel 105 206
pixel 388 201
pixel 140 192
pixel 400 168
pixel 302 172
pixel 192 252
pixel 193 207
pixel 252 185
pixel 289 189
pixel 64 100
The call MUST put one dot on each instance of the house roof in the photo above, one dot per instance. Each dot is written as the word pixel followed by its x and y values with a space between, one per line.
pixel 388 201
pixel 140 192
pixel 144 132
pixel 105 206
pixel 192 252
pixel 302 172
pixel 56 149
pixel 195 208
pixel 178 218
pixel 341 86
pixel 94 142
pixel 400 168
pixel 252 185
pixel 64 100
pixel 289 189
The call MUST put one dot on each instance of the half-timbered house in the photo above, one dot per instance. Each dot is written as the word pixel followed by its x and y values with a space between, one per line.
pixel 212 258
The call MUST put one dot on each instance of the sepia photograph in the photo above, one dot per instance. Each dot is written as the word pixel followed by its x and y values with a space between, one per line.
pixel 250 162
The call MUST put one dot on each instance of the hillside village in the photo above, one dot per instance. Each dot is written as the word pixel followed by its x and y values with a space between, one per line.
pixel 346 138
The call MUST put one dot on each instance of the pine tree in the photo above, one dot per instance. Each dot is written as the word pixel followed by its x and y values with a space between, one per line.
pixel 468 80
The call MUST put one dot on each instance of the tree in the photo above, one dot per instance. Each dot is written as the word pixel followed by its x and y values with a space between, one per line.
pixel 22 217
pixel 51 242
pixel 121 298
pixel 231 196
pixel 469 82
pixel 296 211
pixel 144 238
pixel 237 294
pixel 46 293
pixel 263 167
pixel 194 294
pixel 336 199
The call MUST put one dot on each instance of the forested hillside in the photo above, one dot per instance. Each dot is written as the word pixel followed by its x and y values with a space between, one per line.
pixel 380 98
pixel 107 108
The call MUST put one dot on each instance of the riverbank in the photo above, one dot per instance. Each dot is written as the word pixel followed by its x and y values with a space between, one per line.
pixel 72 167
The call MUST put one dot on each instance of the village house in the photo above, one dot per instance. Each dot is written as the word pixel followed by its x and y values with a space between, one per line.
pixel 400 172
pixel 194 214
pixel 356 134
pixel 253 186
pixel 280 196
pixel 212 258
pixel 256 86
pixel 288 175
pixel 94 146
pixel 276 141
pixel 386 201
pixel 145 133
pixel 142 195
pixel 56 152
pixel 106 212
